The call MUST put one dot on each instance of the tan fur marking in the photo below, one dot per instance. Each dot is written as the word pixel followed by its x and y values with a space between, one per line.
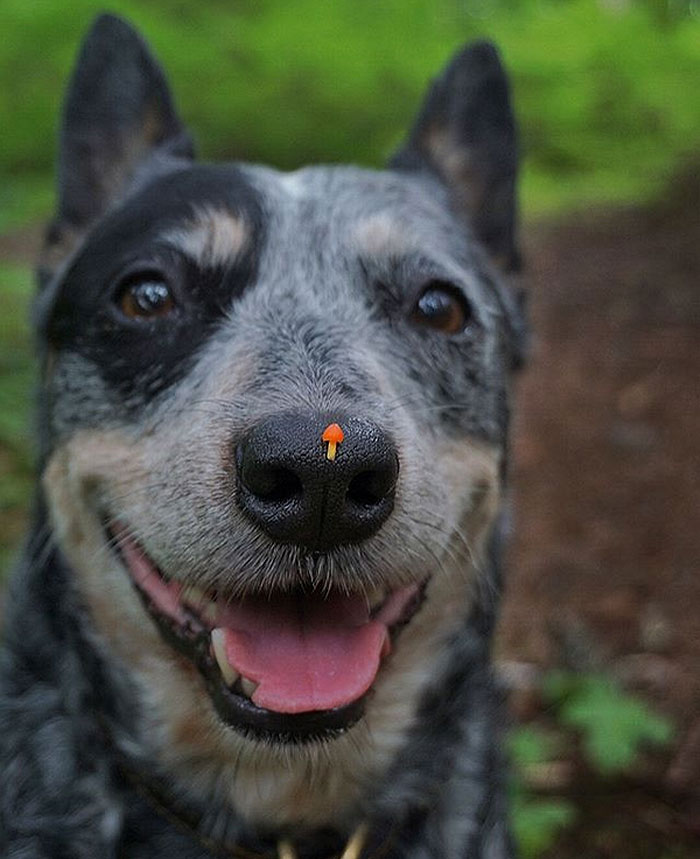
pixel 309 785
pixel 213 237
pixel 455 165
pixel 380 235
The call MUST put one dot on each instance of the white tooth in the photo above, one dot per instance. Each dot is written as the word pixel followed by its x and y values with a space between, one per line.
pixel 248 687
pixel 229 674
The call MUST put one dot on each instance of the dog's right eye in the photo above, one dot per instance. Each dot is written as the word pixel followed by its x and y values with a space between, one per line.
pixel 441 306
pixel 145 296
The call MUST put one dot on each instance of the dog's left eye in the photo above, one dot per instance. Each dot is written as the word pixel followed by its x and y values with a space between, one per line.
pixel 145 296
pixel 442 306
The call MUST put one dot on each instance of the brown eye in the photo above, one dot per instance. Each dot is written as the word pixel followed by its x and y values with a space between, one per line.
pixel 146 296
pixel 443 307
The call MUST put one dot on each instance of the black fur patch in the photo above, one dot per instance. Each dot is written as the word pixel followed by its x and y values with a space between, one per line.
pixel 144 357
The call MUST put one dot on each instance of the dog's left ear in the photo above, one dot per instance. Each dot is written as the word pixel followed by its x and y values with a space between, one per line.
pixel 465 134
pixel 117 116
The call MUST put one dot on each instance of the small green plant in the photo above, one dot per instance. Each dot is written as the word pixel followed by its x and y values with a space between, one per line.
pixel 536 821
pixel 613 725
pixel 614 728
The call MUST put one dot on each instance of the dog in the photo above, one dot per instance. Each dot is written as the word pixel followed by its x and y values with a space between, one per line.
pixel 254 611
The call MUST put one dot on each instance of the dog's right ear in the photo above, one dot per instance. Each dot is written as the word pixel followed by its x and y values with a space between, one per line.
pixel 465 135
pixel 117 115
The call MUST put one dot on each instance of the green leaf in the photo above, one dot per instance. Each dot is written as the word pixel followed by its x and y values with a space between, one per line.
pixel 536 823
pixel 529 745
pixel 614 726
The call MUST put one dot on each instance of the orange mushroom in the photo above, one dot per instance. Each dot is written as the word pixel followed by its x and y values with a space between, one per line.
pixel 333 434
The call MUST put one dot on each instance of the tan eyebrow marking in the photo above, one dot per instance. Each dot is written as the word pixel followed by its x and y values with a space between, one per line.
pixel 212 237
pixel 380 234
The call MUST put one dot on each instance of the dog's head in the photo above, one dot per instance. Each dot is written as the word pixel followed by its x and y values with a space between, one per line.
pixel 277 407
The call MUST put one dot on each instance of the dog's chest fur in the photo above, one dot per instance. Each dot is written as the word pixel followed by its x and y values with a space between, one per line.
pixel 199 326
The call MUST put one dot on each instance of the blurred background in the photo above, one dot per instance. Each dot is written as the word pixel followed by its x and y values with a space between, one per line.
pixel 599 645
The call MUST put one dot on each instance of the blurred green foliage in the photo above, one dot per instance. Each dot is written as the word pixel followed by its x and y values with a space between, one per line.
pixel 614 729
pixel 16 383
pixel 605 89
pixel 613 726
pixel 536 820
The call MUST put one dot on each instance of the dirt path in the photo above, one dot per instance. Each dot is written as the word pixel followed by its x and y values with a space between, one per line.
pixel 605 561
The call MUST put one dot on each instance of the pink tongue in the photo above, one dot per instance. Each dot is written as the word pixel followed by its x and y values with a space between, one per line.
pixel 304 652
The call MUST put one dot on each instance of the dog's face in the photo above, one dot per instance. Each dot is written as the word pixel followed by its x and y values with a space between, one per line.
pixel 276 593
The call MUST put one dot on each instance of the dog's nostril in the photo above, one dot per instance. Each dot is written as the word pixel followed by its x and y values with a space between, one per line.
pixel 273 484
pixel 370 487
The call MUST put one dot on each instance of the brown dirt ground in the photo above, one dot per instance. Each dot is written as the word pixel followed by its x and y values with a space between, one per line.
pixel 605 561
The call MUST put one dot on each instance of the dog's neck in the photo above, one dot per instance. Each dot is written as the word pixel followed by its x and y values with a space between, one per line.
pixel 192 822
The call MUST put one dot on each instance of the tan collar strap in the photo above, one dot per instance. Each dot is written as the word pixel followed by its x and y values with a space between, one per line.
pixel 353 849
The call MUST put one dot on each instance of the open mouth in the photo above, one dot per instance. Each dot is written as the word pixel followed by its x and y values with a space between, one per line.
pixel 290 666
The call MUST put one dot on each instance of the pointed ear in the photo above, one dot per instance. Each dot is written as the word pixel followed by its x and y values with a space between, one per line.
pixel 465 133
pixel 118 113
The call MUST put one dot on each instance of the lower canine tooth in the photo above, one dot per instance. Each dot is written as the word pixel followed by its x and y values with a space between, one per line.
pixel 248 687
pixel 218 639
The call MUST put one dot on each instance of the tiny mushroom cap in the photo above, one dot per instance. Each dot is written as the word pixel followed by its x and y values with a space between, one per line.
pixel 333 433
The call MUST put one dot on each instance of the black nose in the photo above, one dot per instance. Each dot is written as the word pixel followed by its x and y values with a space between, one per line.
pixel 292 489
